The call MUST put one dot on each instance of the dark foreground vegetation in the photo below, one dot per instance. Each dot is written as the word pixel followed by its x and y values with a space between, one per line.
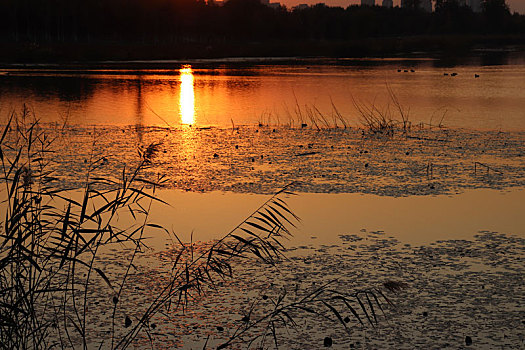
pixel 52 276
pixel 33 30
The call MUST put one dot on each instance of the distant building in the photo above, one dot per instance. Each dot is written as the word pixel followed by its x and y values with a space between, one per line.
pixel 475 5
pixel 368 2
pixel 388 3
pixel 426 5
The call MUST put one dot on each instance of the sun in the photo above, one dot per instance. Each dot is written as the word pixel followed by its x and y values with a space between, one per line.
pixel 187 96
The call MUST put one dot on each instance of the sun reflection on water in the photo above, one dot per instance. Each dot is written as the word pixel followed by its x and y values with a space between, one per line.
pixel 187 96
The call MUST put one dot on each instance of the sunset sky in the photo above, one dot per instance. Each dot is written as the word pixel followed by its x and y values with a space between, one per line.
pixel 515 5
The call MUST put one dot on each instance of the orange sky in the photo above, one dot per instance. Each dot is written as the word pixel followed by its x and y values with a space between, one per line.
pixel 515 5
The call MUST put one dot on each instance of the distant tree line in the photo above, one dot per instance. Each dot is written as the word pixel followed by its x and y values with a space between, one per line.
pixel 166 21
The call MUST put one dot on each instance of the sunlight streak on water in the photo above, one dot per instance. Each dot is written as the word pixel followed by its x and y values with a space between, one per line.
pixel 187 96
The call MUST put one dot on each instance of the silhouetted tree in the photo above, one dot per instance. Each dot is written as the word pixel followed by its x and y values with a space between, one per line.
pixel 198 21
pixel 497 15
pixel 451 17
pixel 411 4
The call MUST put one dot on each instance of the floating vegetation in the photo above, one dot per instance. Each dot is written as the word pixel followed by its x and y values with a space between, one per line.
pixel 431 296
pixel 258 160
pixel 57 290
pixel 71 276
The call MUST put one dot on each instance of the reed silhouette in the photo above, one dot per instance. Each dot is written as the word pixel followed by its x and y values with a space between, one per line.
pixel 86 30
pixel 50 246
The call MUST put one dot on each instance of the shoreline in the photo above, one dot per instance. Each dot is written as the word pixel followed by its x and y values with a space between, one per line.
pixel 95 53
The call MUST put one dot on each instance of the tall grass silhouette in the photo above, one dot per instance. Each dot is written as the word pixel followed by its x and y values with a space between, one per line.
pixel 50 244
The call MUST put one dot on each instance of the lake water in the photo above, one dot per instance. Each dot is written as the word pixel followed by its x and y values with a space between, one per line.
pixel 279 91
pixel 438 206
pixel 189 108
